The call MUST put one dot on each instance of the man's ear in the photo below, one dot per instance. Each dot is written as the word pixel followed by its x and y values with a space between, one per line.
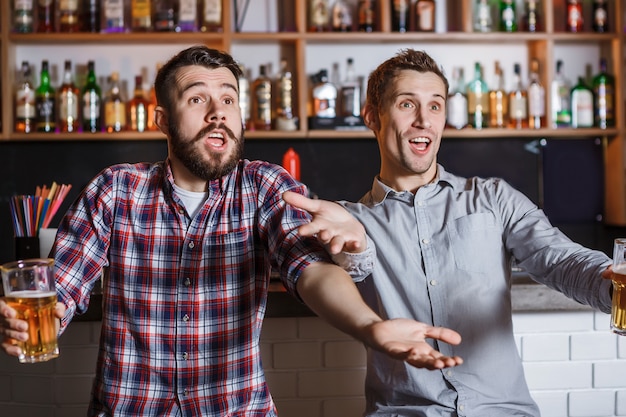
pixel 370 117
pixel 160 119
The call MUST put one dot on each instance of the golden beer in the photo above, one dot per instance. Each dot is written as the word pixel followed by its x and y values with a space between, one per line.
pixel 618 307
pixel 37 309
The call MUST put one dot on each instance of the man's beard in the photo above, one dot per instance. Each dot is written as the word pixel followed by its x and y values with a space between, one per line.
pixel 191 157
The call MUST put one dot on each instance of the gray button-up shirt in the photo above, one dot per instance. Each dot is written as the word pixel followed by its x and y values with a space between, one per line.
pixel 443 257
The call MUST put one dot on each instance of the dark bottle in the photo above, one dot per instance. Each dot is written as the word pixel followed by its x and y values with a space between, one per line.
pixel 46 13
pixel 164 17
pixel 68 101
pixel 508 16
pixel 600 16
pixel 400 15
pixel 23 16
pixel 604 97
pixel 91 102
pixel 531 21
pixel 367 15
pixel 114 106
pixel 68 16
pixel 138 108
pixel 574 16
pixel 478 99
pixel 90 16
pixel 45 113
pixel 262 101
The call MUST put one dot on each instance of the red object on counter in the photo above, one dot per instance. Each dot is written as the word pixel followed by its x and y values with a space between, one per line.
pixel 291 162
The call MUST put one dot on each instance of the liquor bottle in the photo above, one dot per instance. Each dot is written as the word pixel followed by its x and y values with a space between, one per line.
pixel 574 21
pixel 350 98
pixel 456 115
pixel 319 15
pixel 478 99
pixel 187 16
pixel 91 101
pixel 482 19
pixel 600 17
pixel 164 12
pixel 141 15
pixel 324 96
pixel 508 16
pixel 367 15
pixel 114 106
pixel 23 21
pixel 152 103
pixel 114 16
pixel 69 16
pixel 341 17
pixel 211 16
pixel 68 101
pixel 285 119
pixel 291 162
pixel 424 15
pixel 498 100
pixel 25 100
pixel 581 98
pixel 560 94
pixel 244 96
pixel 45 112
pixel 91 16
pixel 518 101
pixel 531 21
pixel 536 98
pixel 138 108
pixel 46 15
pixel 262 101
pixel 400 15
pixel 604 97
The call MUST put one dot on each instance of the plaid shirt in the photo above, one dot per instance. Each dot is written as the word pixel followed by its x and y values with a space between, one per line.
pixel 185 297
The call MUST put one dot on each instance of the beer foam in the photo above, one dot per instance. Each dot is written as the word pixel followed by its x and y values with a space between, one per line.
pixel 31 294
pixel 620 269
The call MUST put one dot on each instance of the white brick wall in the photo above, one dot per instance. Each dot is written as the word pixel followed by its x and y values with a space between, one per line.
pixel 575 368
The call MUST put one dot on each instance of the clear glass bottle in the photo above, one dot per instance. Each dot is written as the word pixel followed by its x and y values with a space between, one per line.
pixel 581 98
pixel 478 99
pixel 324 96
pixel 498 100
pixel 456 107
pixel 536 98
pixel 68 101
pixel 400 15
pixel 187 19
pixel 23 16
pixel 114 106
pixel 285 118
pixel 518 101
pixel 115 16
pixel 560 95
pixel 141 15
pixel 46 16
pixel 138 108
pixel 25 100
pixel 211 16
pixel 91 101
pixel 341 16
pixel 367 15
pixel 483 20
pixel 244 96
pixel 69 16
pixel 424 15
pixel 319 15
pixel 531 21
pixel 262 101
pixel 574 21
pixel 600 16
pixel 508 16
pixel 45 106
pixel 604 97
pixel 350 98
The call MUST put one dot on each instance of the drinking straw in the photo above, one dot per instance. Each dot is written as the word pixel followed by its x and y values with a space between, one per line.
pixel 29 213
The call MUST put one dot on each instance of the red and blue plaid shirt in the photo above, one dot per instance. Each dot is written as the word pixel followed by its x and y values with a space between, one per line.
pixel 185 297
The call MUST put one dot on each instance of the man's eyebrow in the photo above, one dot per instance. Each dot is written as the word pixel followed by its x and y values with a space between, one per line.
pixel 203 84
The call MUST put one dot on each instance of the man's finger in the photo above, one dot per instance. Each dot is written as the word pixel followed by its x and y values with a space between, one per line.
pixel 444 334
pixel 301 202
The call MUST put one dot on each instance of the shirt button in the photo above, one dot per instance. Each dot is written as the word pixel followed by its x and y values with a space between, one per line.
pixel 461 407
pixel 185 391
pixel 185 355
pixel 191 245
pixel 181 210
pixel 425 241
pixel 449 373
pixel 421 204
pixel 187 282
pixel 433 282
pixel 186 317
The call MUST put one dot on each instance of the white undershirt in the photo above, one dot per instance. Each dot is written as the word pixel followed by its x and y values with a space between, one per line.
pixel 191 200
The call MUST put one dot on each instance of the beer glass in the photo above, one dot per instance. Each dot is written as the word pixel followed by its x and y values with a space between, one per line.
pixel 29 289
pixel 618 309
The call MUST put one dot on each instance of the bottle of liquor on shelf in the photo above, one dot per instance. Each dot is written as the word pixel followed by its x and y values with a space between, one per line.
pixel 518 101
pixel 478 99
pixel 285 118
pixel 262 101
pixel 604 97
pixel 482 16
pixel 114 106
pixel 581 99
pixel 23 16
pixel 350 98
pixel 69 15
pixel 456 115
pixel 244 96
pixel 138 108
pixel 91 101
pixel 91 16
pixel 291 162
pixel 560 95
pixel 400 15
pixel 152 104
pixel 319 15
pixel 141 15
pixel 115 16
pixel 367 15
pixel 187 16
pixel 574 21
pixel 25 100
pixel 536 98
pixel 600 17
pixel 341 16
pixel 424 15
pixel 498 100
pixel 68 101
pixel 324 96
pixel 508 16
pixel 164 12
pixel 45 109
pixel 531 21
pixel 46 16
pixel 211 16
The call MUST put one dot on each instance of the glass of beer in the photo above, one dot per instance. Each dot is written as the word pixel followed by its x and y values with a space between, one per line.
pixel 618 309
pixel 29 289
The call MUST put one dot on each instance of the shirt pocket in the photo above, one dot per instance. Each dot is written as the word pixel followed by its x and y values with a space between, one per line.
pixel 476 242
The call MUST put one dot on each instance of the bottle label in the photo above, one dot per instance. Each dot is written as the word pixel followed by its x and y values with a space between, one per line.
pixel 25 104
pixel 187 11
pixel 318 10
pixel 518 108
pixel 115 114
pixel 536 101
pixel 582 106
pixel 604 103
pixel 457 111
pixel 91 106
pixel 213 12
pixel 68 106
pixel 426 14
pixel 68 5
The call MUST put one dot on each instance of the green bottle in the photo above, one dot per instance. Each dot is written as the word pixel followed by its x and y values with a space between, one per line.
pixel 604 97
pixel 45 112
pixel 508 16
pixel 91 101
pixel 478 99
pixel 582 105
